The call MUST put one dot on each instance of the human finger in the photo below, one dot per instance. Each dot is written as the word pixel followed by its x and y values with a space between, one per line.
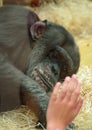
pixel 76 92
pixel 73 84
pixel 70 88
pixel 55 91
pixel 64 87
pixel 78 106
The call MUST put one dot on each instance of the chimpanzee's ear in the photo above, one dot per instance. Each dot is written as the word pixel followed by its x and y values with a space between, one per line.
pixel 37 29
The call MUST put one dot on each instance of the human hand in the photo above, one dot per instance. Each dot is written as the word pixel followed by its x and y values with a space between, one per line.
pixel 63 108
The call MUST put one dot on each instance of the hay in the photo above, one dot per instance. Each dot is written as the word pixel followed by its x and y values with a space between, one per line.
pixel 74 15
pixel 84 120
pixel 18 119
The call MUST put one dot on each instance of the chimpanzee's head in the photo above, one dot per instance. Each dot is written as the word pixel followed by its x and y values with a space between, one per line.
pixel 61 57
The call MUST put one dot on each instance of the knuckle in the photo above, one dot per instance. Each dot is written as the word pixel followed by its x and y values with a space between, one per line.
pixel 63 91
pixel 71 104
pixel 69 93
pixel 70 89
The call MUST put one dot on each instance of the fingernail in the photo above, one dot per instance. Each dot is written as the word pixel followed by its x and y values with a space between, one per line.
pixel 67 78
pixel 74 76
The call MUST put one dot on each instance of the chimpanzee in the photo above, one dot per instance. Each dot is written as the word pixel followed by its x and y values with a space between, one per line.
pixel 34 55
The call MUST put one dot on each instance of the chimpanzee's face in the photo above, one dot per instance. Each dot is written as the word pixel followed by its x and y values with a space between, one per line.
pixel 52 69
pixel 47 73
pixel 61 57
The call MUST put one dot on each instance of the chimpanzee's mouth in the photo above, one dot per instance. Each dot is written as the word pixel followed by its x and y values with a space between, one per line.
pixel 43 79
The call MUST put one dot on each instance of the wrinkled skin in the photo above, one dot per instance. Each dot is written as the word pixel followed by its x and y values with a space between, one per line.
pixel 34 55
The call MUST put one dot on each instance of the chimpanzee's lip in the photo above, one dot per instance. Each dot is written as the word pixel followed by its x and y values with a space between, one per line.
pixel 44 79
